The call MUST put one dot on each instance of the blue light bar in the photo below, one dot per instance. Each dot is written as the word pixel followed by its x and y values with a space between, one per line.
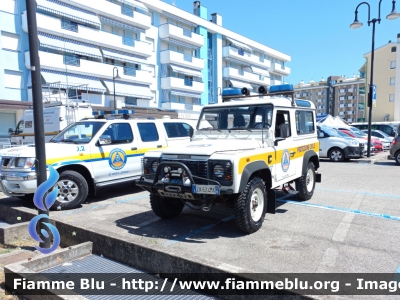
pixel 98 113
pixel 122 112
pixel 229 92
pixel 303 103
pixel 282 88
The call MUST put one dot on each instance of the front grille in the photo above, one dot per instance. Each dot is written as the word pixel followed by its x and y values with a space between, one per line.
pixel 197 168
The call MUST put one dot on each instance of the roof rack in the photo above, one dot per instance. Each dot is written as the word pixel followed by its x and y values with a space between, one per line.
pixel 275 90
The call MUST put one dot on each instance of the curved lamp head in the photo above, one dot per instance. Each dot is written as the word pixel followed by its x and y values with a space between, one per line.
pixel 117 77
pixel 393 15
pixel 356 24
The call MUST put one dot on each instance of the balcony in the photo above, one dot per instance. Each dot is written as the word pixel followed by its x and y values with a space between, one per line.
pixel 108 9
pixel 246 57
pixel 232 73
pixel 172 57
pixel 174 83
pixel 177 33
pixel 278 68
pixel 57 62
pixel 181 106
pixel 89 35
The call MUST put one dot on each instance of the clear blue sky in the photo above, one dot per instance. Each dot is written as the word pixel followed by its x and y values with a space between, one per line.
pixel 315 33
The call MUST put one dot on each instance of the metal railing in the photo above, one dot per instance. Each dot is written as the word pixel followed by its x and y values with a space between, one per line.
pixel 241 52
pixel 187 57
pixel 129 71
pixel 189 106
pixel 188 82
pixel 187 32
pixel 72 61
pixel 241 72
pixel 128 41
pixel 127 11
pixel 68 25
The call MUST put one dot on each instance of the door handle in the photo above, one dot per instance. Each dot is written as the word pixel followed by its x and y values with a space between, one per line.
pixel 159 146
pixel 134 148
pixel 292 153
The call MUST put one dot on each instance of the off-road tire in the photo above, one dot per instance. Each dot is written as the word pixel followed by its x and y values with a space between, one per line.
pixel 305 184
pixel 397 157
pixel 339 155
pixel 243 214
pixel 27 197
pixel 166 208
pixel 78 190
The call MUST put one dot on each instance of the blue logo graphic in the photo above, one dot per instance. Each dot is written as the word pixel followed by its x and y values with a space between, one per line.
pixel 45 204
pixel 117 159
pixel 285 161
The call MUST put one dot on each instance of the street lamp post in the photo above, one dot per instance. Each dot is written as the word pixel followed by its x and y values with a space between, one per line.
pixel 356 24
pixel 115 77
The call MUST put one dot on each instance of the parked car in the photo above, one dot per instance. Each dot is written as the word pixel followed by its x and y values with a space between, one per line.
pixel 395 149
pixel 336 147
pixel 380 135
pixel 363 140
pixel 389 129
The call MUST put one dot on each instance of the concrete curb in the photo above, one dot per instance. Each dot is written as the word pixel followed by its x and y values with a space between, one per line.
pixel 12 234
pixel 135 255
pixel 42 262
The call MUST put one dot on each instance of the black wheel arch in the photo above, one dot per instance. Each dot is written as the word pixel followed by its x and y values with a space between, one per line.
pixel 310 155
pixel 255 169
pixel 84 172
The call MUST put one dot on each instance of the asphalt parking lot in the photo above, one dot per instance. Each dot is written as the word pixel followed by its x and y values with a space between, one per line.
pixel 350 225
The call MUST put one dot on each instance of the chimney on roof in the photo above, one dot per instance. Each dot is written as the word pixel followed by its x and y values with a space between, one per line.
pixel 398 37
pixel 216 19
pixel 196 8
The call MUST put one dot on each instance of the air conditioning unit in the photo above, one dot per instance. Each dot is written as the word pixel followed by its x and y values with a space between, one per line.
pixel 120 103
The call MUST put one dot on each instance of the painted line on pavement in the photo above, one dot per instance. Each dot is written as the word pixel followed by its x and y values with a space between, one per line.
pixel 335 208
pixel 197 231
pixel 358 192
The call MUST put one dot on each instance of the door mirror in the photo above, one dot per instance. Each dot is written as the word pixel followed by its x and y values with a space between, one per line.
pixel 191 131
pixel 321 135
pixel 10 130
pixel 284 130
pixel 105 140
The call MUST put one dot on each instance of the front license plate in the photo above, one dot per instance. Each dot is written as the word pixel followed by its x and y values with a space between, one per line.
pixel 205 189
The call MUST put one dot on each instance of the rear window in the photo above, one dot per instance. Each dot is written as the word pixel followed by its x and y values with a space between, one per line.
pixel 148 132
pixel 177 129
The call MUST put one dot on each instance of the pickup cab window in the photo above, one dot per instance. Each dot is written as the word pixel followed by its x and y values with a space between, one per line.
pixel 148 132
pixel 78 133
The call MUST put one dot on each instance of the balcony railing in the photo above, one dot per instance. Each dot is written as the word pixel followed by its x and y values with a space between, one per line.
pixel 68 25
pixel 187 32
pixel 188 82
pixel 189 106
pixel 128 41
pixel 187 57
pixel 129 71
pixel 72 61
pixel 241 72
pixel 127 11
pixel 241 52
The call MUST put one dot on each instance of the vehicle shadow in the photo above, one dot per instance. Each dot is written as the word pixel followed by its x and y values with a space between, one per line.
pixel 114 191
pixel 386 163
pixel 191 226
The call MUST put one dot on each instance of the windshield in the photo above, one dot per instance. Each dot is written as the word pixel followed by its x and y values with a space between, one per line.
pixel 78 133
pixel 357 131
pixel 383 133
pixel 236 118
pixel 329 131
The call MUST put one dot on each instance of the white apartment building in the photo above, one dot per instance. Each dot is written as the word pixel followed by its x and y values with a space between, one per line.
pixel 316 92
pixel 155 54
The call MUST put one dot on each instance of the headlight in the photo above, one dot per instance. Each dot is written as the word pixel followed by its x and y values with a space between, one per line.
pixel 354 142
pixel 154 166
pixel 23 162
pixel 219 171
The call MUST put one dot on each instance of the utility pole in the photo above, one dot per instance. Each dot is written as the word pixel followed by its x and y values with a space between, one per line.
pixel 40 164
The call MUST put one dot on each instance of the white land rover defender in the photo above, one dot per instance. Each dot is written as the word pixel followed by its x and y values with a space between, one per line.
pixel 254 144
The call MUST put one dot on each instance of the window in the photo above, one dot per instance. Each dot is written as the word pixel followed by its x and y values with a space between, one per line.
pixel 72 60
pixel 151 42
pixel 127 10
pixel 304 122
pixel 392 80
pixel 9 41
pixel 391 97
pixel 130 101
pixel 12 79
pixel 148 132
pixel 8 6
pixel 282 117
pixel 393 49
pixel 393 64
pixel 120 133
pixel 175 130
pixel 188 80
pixel 69 25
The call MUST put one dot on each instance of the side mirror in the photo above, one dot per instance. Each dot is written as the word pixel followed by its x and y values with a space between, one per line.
pixel 191 132
pixel 284 128
pixel 10 130
pixel 105 140
pixel 321 135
